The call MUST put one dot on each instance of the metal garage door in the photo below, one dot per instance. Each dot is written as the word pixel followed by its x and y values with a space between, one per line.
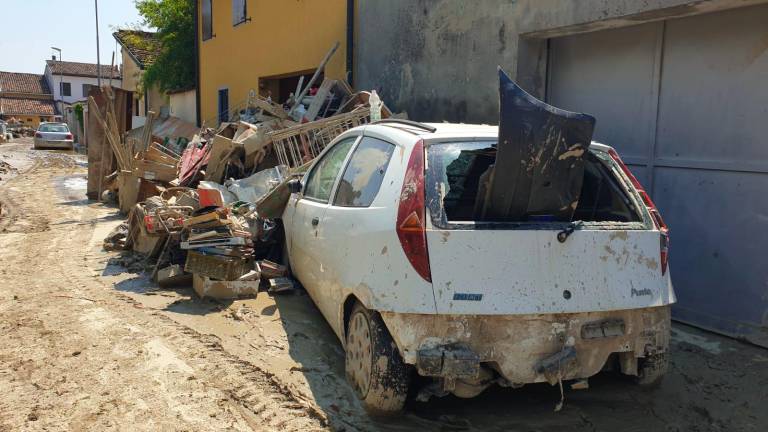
pixel 685 102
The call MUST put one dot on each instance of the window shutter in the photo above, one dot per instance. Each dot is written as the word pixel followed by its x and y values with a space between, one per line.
pixel 207 20
pixel 238 11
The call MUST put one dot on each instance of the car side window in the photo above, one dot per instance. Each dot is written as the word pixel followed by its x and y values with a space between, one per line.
pixel 324 174
pixel 363 176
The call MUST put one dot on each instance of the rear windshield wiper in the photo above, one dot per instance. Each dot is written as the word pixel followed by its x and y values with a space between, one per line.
pixel 563 235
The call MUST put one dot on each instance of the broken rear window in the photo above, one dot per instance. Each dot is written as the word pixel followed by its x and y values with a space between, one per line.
pixel 457 171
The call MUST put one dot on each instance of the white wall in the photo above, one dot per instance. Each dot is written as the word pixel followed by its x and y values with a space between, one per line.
pixel 76 84
pixel 183 106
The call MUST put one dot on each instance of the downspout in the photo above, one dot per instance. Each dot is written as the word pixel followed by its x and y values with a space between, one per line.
pixel 197 63
pixel 350 42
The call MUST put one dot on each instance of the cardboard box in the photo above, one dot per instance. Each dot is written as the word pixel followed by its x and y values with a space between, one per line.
pixel 205 287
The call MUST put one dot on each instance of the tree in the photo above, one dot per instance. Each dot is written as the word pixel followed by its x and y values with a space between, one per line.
pixel 174 67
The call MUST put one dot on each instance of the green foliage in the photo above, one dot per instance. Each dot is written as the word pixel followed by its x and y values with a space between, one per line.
pixel 78 108
pixel 174 67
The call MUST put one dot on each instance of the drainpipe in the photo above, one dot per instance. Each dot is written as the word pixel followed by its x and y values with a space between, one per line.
pixel 350 41
pixel 197 64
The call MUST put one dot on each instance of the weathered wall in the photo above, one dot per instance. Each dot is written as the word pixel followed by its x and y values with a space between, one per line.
pixel 183 106
pixel 437 59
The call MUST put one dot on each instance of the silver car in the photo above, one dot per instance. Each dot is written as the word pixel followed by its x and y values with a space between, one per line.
pixel 54 135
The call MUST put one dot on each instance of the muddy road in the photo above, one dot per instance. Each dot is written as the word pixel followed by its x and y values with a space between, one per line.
pixel 88 342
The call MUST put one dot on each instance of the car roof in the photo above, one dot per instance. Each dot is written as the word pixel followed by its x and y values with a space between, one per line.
pixel 450 131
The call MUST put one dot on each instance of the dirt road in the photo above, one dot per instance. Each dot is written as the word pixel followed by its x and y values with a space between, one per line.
pixel 86 344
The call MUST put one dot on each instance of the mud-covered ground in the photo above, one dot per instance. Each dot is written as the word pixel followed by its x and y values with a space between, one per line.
pixel 88 342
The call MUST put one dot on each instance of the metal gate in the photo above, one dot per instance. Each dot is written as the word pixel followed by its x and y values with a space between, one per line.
pixel 685 102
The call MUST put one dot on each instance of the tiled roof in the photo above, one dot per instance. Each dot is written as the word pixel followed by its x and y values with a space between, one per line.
pixel 14 82
pixel 81 69
pixel 19 106
pixel 141 45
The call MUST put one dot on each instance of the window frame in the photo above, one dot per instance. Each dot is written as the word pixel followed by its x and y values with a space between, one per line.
pixel 210 35
pixel 348 160
pixel 244 18
pixel 62 86
pixel 311 171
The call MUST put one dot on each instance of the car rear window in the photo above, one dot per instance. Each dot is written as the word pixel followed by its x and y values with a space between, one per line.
pixel 457 169
pixel 53 128
pixel 364 173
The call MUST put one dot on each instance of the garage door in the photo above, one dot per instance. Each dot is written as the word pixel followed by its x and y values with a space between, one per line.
pixel 685 102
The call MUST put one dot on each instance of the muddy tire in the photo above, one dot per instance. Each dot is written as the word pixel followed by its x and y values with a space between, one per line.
pixel 373 364
pixel 651 370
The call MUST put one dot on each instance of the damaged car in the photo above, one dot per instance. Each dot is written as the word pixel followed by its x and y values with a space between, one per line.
pixel 480 255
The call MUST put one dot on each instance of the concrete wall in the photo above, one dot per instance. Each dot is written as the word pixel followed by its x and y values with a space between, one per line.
pixel 183 106
pixel 437 59
pixel 282 37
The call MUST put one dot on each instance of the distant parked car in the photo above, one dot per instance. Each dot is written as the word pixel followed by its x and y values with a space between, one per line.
pixel 54 136
pixel 387 234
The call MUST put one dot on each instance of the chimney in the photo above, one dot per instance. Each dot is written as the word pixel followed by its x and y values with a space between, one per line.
pixel 53 57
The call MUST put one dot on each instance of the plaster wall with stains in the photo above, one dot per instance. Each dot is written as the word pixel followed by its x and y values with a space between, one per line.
pixel 437 59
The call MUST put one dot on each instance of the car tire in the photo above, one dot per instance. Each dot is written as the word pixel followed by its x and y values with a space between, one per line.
pixel 373 364
pixel 651 370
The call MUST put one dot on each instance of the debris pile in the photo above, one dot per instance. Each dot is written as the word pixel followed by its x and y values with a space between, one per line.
pixel 210 212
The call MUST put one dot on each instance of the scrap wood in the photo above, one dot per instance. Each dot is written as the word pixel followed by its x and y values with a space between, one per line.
pixel 270 107
pixel 314 78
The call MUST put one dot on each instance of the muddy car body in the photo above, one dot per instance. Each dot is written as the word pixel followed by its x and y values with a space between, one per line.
pixel 384 234
pixel 51 135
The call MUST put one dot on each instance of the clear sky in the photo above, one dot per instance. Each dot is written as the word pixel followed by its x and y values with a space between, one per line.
pixel 29 28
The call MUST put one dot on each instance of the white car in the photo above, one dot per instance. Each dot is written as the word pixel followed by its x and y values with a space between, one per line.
pixel 383 233
pixel 54 136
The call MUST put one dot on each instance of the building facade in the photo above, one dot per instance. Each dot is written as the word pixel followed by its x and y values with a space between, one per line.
pixel 138 50
pixel 26 98
pixel 678 87
pixel 71 81
pixel 263 46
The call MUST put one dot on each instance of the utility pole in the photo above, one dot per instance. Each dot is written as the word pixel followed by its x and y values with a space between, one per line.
pixel 98 59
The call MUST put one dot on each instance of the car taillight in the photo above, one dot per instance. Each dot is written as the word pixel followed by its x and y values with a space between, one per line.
pixel 411 214
pixel 38 135
pixel 652 209
pixel 69 136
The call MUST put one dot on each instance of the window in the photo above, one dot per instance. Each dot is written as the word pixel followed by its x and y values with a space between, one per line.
pixel 324 173
pixel 87 89
pixel 239 12
pixel 364 173
pixel 66 89
pixel 136 107
pixel 62 128
pixel 223 105
pixel 207 13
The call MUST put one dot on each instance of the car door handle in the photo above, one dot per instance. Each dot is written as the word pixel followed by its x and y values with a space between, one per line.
pixel 315 221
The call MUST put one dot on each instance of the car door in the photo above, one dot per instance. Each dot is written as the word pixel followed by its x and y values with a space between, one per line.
pixel 354 226
pixel 307 260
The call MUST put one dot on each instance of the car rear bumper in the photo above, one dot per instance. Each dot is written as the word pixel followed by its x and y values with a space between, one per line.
pixel 54 144
pixel 526 349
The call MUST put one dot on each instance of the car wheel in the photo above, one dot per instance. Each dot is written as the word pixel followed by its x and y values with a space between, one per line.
pixel 651 370
pixel 373 364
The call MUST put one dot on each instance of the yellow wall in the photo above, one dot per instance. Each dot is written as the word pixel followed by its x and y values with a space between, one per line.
pixel 282 37
pixel 131 77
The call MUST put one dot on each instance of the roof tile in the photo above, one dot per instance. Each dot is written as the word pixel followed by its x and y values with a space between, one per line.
pixel 20 106
pixel 15 82
pixel 143 46
pixel 81 69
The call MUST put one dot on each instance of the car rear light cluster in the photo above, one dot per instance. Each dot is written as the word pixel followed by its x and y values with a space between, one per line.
pixel 69 136
pixel 411 214
pixel 652 209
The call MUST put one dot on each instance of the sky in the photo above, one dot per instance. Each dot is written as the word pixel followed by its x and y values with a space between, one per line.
pixel 29 28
